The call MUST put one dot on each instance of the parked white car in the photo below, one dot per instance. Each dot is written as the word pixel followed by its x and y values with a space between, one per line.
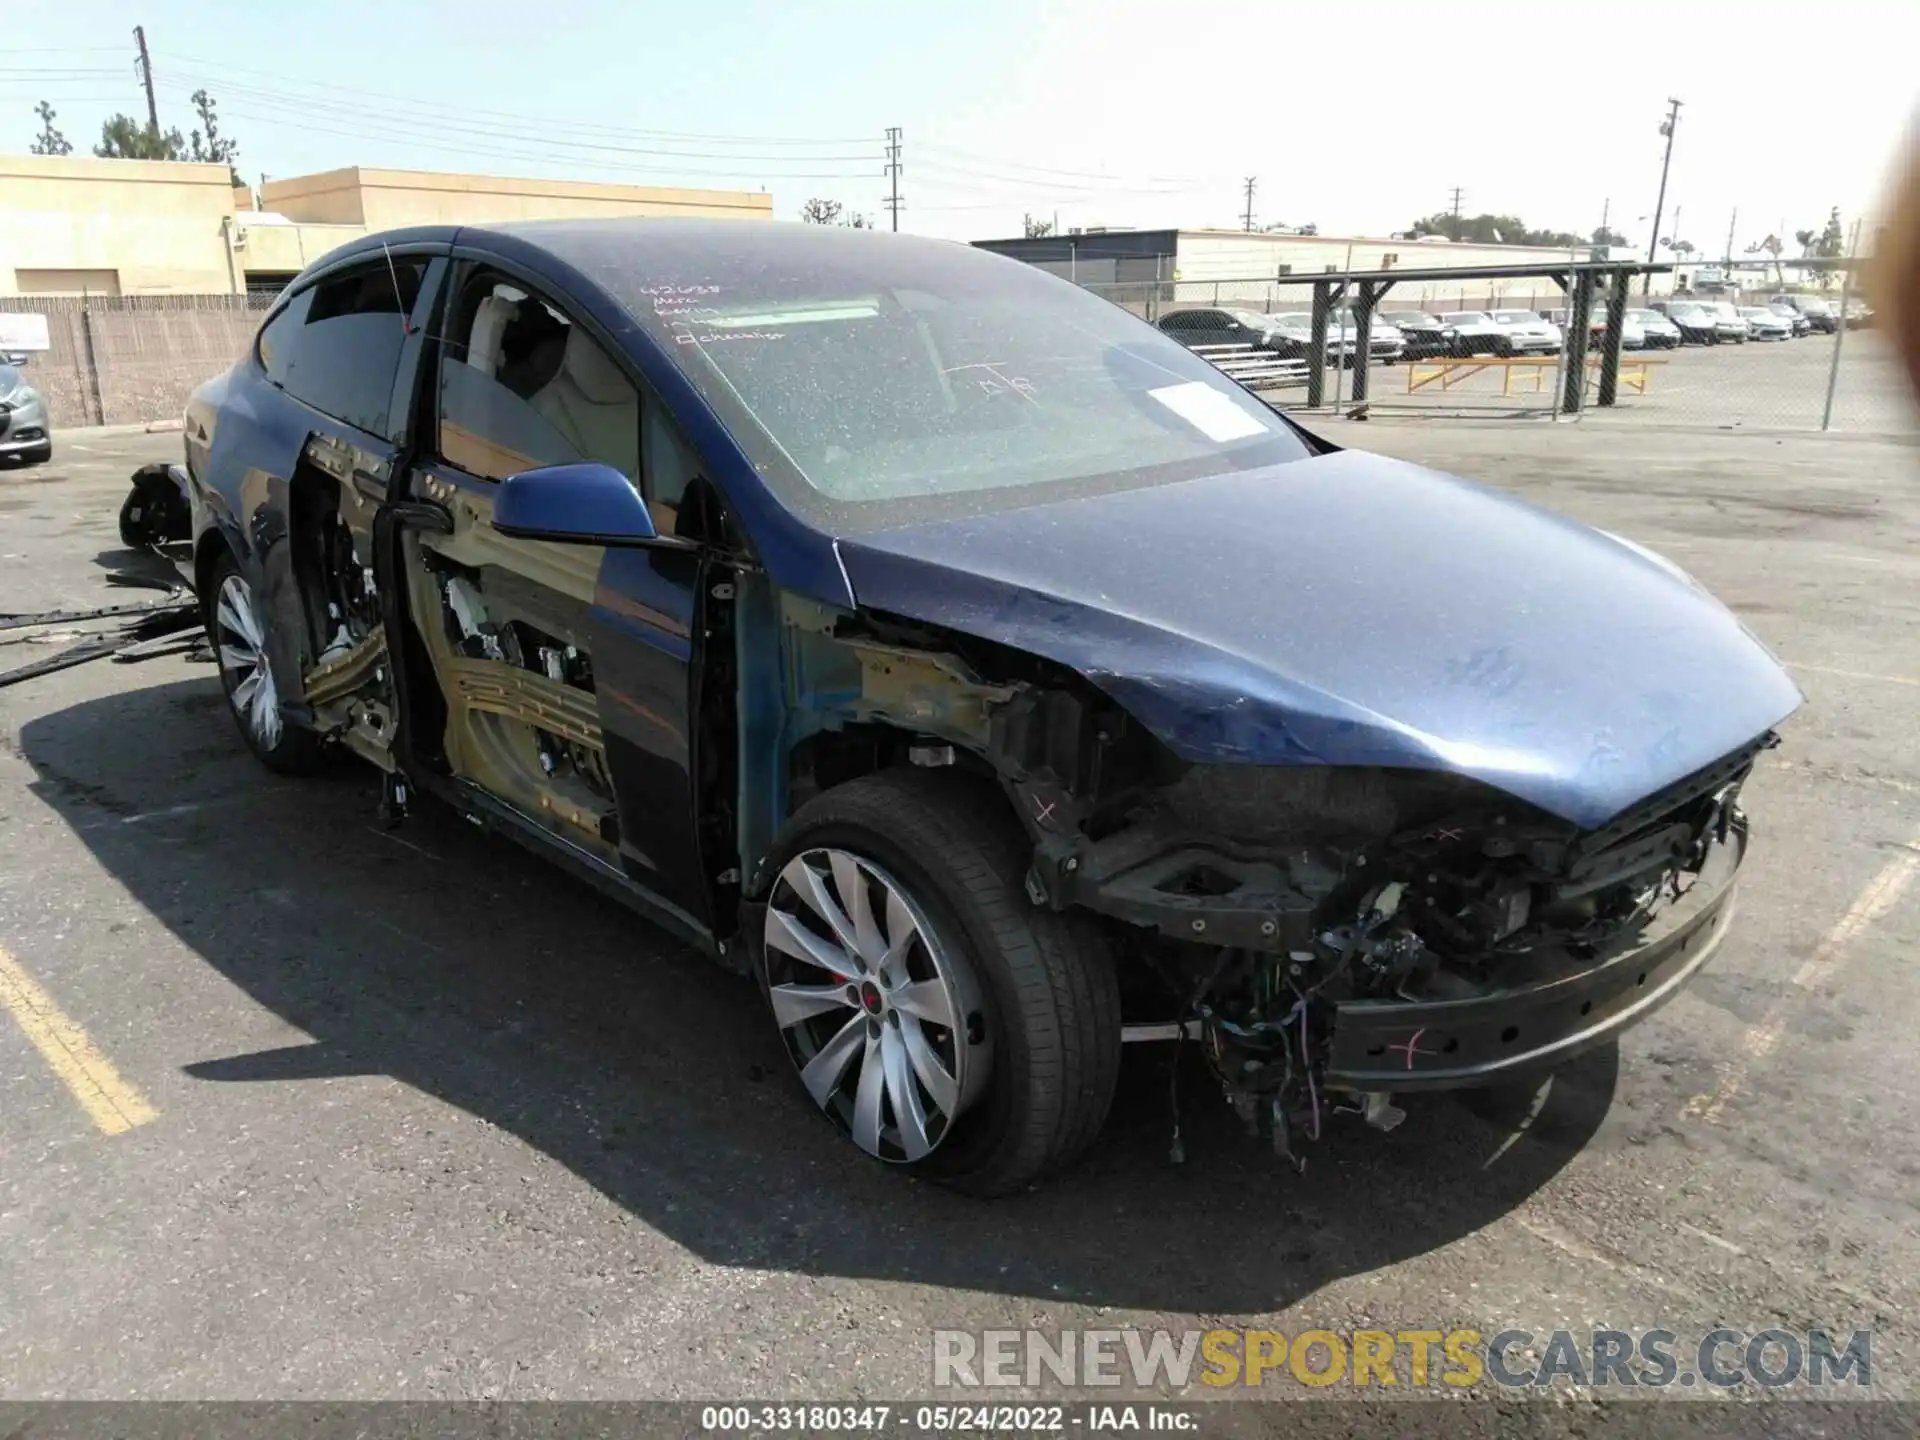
pixel 1661 333
pixel 1728 322
pixel 1633 335
pixel 1385 343
pixel 1475 332
pixel 1531 334
pixel 1766 324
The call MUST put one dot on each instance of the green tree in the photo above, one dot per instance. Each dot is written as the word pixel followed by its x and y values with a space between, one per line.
pixel 215 148
pixel 1771 246
pixel 1831 245
pixel 832 212
pixel 124 138
pixel 1602 235
pixel 49 141
pixel 1036 229
pixel 1829 242
pixel 1490 230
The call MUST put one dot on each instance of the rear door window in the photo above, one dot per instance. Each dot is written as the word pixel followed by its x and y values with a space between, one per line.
pixel 336 345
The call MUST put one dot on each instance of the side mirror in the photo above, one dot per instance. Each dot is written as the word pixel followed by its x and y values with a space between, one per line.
pixel 580 504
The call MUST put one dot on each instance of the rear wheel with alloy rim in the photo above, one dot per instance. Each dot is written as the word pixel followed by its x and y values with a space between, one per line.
pixel 934 1014
pixel 237 628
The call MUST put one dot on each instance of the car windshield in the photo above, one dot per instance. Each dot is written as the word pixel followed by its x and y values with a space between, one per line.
pixel 1252 318
pixel 1646 317
pixel 1755 312
pixel 10 379
pixel 876 380
pixel 1465 317
pixel 1410 317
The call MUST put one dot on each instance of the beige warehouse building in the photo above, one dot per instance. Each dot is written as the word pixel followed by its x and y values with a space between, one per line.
pixel 72 225
pixel 131 281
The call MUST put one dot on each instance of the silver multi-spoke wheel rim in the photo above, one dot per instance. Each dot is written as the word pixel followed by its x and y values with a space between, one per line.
pixel 242 644
pixel 884 1023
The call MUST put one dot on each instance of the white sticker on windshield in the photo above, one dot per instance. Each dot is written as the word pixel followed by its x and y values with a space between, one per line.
pixel 1212 413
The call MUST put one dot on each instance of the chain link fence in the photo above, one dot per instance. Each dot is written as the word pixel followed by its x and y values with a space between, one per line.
pixel 133 359
pixel 1793 348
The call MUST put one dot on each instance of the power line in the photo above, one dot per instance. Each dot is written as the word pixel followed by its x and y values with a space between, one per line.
pixel 293 86
pixel 1049 170
pixel 893 169
pixel 309 116
pixel 301 107
pixel 1035 190
pixel 499 152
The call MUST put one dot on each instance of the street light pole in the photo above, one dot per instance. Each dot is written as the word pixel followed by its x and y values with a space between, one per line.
pixel 1667 127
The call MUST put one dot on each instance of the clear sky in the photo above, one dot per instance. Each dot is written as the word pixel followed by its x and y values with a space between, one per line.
pixel 1356 117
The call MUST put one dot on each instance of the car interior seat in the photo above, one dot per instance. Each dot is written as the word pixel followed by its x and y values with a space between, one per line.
pixel 592 404
pixel 490 320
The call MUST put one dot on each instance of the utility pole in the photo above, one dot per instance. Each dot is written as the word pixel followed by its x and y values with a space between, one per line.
pixel 1456 214
pixel 146 78
pixel 1248 217
pixel 1730 224
pixel 1667 127
pixel 893 169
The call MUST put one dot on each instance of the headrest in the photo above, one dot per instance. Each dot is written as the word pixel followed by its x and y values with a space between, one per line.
pixel 490 319
pixel 596 376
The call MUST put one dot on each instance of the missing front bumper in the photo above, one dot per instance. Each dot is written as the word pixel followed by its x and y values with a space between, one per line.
pixel 1399 1045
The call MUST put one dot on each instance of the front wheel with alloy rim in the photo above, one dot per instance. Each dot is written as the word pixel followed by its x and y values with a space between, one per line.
pixel 237 629
pixel 937 1017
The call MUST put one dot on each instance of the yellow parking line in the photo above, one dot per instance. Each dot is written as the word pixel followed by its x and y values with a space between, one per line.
pixel 1881 895
pixel 110 1102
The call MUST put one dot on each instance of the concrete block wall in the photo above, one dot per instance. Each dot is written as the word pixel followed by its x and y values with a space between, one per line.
pixel 132 360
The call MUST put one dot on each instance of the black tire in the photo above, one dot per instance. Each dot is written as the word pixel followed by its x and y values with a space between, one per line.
pixel 1046 980
pixel 292 750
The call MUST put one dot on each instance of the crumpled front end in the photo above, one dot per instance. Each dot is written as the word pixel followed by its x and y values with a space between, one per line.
pixel 1334 935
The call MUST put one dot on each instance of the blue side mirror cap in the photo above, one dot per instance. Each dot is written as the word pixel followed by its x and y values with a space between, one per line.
pixel 580 504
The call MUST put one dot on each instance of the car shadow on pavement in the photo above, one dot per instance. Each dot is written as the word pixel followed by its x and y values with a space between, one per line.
pixel 462 966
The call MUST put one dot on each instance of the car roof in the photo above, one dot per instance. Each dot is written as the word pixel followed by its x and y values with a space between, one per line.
pixel 625 255
pixel 644 241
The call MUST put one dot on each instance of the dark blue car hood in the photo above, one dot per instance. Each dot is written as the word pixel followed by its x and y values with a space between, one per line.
pixel 1355 610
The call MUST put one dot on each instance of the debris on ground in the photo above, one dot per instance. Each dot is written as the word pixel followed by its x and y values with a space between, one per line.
pixel 155 514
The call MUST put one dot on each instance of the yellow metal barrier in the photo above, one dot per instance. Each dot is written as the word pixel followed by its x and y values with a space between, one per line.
pixel 1448 371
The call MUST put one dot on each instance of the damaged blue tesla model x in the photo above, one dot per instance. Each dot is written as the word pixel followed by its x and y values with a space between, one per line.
pixel 975 667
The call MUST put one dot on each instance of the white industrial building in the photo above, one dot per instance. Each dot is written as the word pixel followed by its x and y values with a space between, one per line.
pixel 1242 266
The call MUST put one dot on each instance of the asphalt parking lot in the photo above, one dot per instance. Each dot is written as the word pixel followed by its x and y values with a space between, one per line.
pixel 1770 385
pixel 352 1113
